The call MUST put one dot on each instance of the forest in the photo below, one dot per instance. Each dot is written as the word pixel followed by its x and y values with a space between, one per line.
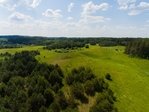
pixel 138 48
pixel 29 86
pixel 13 41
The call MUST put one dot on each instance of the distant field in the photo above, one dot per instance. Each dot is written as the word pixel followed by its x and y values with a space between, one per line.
pixel 130 75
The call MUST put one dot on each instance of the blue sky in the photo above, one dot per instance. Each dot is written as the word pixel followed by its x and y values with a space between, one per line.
pixel 81 18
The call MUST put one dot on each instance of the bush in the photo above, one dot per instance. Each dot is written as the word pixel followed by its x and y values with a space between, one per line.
pixel 61 99
pixel 87 46
pixel 104 102
pixel 77 91
pixel 89 88
pixel 98 85
pixel 108 77
pixel 80 75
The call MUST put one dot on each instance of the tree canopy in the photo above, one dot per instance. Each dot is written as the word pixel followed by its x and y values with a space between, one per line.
pixel 29 86
pixel 139 48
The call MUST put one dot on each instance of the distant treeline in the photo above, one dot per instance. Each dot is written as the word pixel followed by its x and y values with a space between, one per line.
pixel 139 48
pixel 56 42
pixel 29 86
pixel 65 44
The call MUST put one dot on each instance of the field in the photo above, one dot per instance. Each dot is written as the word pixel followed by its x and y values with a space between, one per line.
pixel 130 75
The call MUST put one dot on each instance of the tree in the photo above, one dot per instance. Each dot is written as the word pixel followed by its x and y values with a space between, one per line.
pixel 36 101
pixel 139 48
pixel 87 46
pixel 49 96
pixel 108 77
pixel 77 91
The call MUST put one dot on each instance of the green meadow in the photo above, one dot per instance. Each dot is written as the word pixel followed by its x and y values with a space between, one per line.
pixel 130 75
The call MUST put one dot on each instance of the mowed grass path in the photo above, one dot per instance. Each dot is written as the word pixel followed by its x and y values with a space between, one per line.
pixel 130 75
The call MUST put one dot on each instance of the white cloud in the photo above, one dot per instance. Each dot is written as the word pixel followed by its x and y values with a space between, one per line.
pixel 2 1
pixel 70 28
pixel 19 17
pixel 9 4
pixel 94 19
pixel 12 4
pixel 124 4
pixel 70 18
pixel 90 7
pixel 143 6
pixel 70 7
pixel 53 13
pixel 135 10
pixel 132 8
pixel 33 3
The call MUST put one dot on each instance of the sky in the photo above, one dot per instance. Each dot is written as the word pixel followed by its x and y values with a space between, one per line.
pixel 75 18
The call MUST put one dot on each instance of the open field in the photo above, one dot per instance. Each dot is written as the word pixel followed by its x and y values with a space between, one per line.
pixel 130 75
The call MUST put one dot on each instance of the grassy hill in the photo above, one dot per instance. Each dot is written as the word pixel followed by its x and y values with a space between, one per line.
pixel 130 75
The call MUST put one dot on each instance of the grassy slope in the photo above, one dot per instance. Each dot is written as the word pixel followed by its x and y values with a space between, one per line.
pixel 130 75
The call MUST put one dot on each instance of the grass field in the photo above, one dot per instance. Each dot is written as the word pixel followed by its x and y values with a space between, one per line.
pixel 130 75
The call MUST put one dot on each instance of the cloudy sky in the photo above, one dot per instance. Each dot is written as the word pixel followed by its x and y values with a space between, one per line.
pixel 85 18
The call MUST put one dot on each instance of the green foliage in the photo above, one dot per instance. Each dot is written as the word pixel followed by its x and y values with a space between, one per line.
pixel 70 110
pixel 78 92
pixel 35 102
pixel 83 83
pixel 108 77
pixel 80 75
pixel 58 43
pixel 65 44
pixel 49 96
pixel 6 54
pixel 2 89
pixel 139 48
pixel 104 103
pixel 29 86
pixel 55 107
pixel 87 46
pixel 61 100
pixel 89 88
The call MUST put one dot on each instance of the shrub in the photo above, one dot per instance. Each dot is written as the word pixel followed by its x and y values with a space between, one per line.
pixel 98 85
pixel 77 91
pixel 80 75
pixel 61 99
pixel 108 77
pixel 87 46
pixel 89 88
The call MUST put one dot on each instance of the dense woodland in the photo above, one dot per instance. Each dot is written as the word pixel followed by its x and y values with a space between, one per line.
pixel 29 86
pixel 139 48
pixel 63 42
